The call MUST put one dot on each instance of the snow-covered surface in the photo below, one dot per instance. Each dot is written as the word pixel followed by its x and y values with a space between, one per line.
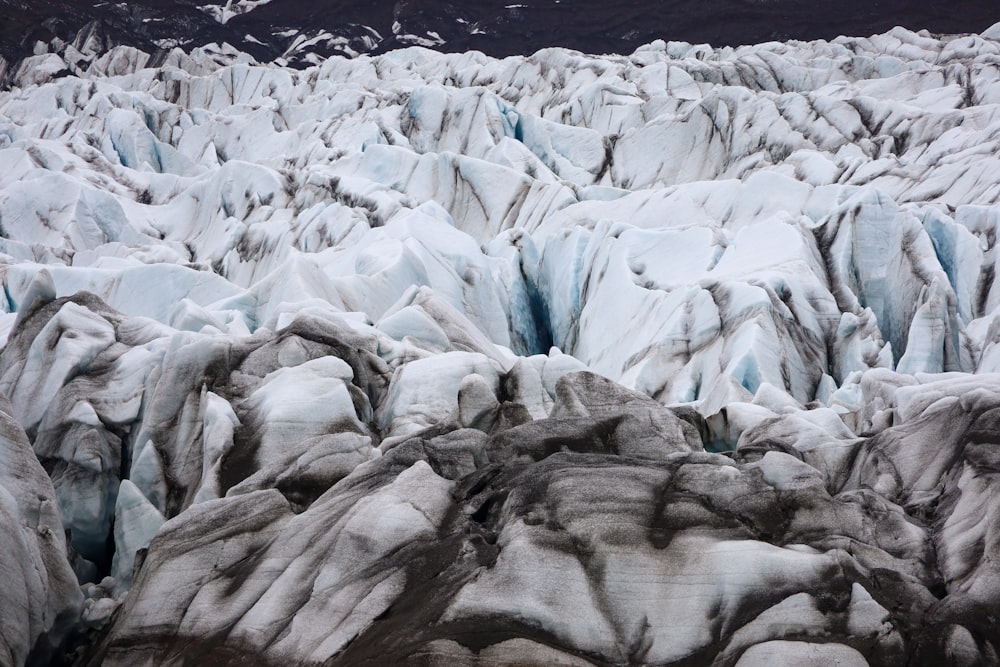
pixel 305 355
pixel 222 13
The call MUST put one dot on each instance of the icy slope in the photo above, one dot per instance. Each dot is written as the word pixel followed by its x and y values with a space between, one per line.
pixel 301 354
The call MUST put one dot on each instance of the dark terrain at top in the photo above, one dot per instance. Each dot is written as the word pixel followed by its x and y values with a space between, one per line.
pixel 497 28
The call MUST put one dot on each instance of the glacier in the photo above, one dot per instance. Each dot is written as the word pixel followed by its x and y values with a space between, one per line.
pixel 686 356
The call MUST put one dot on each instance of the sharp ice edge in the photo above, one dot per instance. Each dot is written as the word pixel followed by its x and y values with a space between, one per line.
pixel 300 353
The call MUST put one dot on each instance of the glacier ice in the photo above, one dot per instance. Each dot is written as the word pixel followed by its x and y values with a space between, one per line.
pixel 41 599
pixel 688 355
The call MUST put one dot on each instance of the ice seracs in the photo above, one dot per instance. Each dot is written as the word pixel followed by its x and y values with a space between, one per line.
pixel 686 355
pixel 41 594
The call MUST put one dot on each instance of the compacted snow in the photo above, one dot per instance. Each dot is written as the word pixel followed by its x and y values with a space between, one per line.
pixel 687 357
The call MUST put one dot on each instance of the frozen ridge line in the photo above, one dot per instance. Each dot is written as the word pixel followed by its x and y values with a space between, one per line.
pixel 683 357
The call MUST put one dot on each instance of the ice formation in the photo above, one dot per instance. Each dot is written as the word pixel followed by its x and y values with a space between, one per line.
pixel 688 356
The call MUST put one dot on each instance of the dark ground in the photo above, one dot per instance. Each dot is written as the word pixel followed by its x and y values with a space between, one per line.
pixel 498 28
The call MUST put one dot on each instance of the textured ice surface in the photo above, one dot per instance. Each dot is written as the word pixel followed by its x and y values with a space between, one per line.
pixel 687 356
